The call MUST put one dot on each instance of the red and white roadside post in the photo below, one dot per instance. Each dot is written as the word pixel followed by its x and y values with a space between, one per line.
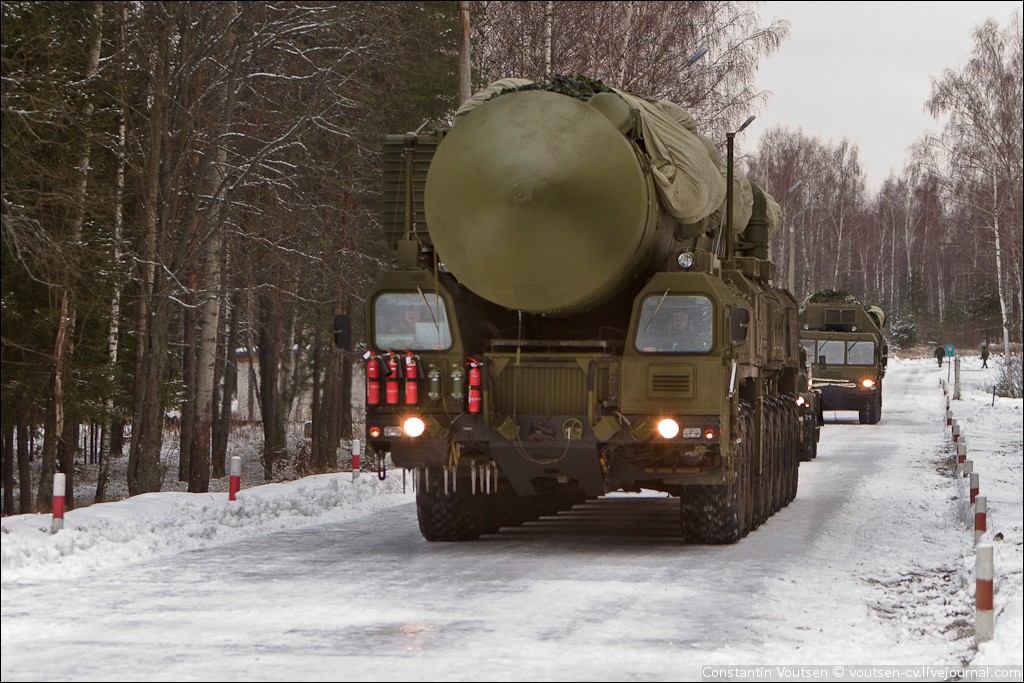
pixel 984 618
pixel 235 482
pixel 357 448
pixel 58 503
pixel 956 432
pixel 949 417
pixel 980 517
pixel 975 485
pixel 961 452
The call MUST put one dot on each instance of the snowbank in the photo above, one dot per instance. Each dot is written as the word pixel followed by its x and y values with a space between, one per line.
pixel 114 534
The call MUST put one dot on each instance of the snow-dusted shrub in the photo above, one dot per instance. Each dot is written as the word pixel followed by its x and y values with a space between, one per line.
pixel 1010 383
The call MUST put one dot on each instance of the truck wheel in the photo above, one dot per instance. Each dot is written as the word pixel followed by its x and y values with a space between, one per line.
pixel 718 515
pixel 789 449
pixel 454 516
pixel 808 446
pixel 876 410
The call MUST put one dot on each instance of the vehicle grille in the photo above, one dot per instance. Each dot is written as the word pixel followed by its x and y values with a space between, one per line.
pixel 541 390
pixel 678 384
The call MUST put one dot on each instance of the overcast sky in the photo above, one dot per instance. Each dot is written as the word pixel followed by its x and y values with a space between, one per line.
pixel 862 70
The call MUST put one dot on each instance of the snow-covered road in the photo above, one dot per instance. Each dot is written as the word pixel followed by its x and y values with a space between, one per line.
pixel 865 566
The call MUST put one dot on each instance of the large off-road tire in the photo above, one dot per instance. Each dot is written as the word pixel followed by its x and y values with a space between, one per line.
pixel 876 409
pixel 764 482
pixel 719 514
pixel 791 448
pixel 810 445
pixel 457 515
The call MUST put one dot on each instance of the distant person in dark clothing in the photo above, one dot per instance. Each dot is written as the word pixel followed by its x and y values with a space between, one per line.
pixel 940 353
pixel 984 355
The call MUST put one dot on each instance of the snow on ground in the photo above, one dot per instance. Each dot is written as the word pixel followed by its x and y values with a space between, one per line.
pixel 892 613
pixel 114 534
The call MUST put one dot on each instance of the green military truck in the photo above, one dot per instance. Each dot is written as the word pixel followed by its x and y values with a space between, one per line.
pixel 569 315
pixel 848 350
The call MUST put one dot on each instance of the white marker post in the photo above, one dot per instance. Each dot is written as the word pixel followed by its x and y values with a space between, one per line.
pixel 58 503
pixel 235 482
pixel 984 618
pixel 980 518
pixel 357 448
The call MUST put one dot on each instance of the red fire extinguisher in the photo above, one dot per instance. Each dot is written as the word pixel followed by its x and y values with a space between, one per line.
pixel 475 387
pixel 372 379
pixel 412 384
pixel 391 383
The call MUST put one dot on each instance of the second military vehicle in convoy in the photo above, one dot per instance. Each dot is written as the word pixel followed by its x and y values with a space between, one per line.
pixel 848 350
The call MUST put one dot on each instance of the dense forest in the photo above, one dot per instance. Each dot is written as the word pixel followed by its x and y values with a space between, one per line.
pixel 188 184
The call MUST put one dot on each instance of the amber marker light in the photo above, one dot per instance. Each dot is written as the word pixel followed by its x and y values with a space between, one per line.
pixel 374 432
pixel 709 433
pixel 668 428
pixel 413 427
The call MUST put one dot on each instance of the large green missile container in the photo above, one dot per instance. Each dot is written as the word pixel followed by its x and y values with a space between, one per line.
pixel 537 202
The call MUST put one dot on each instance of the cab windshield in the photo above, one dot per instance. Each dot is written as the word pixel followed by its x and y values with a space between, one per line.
pixel 675 324
pixel 840 353
pixel 412 321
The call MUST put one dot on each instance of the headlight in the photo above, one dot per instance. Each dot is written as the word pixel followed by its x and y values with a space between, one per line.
pixel 413 427
pixel 668 428
pixel 867 383
pixel 800 401
pixel 685 260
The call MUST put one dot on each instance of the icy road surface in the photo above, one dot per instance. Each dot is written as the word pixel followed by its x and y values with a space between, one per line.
pixel 864 567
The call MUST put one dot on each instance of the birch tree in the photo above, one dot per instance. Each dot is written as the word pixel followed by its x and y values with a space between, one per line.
pixel 978 155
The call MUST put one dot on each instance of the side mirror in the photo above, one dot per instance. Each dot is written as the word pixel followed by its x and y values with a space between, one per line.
pixel 342 331
pixel 740 325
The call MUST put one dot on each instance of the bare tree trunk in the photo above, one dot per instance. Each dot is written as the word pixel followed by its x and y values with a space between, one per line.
pixel 188 380
pixel 147 410
pixel 999 264
pixel 465 55
pixel 627 25
pixel 549 21
pixel 103 470
pixel 209 325
pixel 223 427
pixel 24 462
pixel 8 469
pixel 54 425
pixel 271 333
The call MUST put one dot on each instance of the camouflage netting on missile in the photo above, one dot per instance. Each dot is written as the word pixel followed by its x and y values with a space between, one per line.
pixel 689 172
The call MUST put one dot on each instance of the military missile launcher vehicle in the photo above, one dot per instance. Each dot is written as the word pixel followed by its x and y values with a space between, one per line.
pixel 570 314
pixel 848 350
